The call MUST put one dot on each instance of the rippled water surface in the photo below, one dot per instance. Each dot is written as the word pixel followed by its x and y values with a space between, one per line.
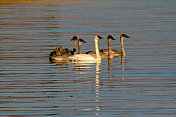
pixel 141 84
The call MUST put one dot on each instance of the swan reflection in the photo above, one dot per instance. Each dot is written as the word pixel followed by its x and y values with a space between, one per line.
pixel 84 68
pixel 97 86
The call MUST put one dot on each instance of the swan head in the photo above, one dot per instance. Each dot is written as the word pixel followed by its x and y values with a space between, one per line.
pixel 110 37
pixel 59 47
pixel 97 37
pixel 81 40
pixel 125 36
pixel 74 38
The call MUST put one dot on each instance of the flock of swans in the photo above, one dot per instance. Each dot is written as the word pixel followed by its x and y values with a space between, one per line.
pixel 65 55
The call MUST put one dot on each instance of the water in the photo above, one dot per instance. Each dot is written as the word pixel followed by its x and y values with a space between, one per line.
pixel 141 84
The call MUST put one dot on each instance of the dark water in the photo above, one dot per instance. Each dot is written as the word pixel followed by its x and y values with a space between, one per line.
pixel 141 84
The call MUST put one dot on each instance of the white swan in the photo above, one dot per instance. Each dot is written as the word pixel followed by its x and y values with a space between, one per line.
pixel 87 57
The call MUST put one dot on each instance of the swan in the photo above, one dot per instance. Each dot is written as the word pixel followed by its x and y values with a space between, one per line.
pixel 111 52
pixel 88 57
pixel 57 55
pixel 101 54
pixel 56 52
pixel 79 45
pixel 65 51
pixel 60 55
pixel 74 47
pixel 122 45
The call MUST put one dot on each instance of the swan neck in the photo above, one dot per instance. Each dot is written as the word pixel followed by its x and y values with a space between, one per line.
pixel 74 47
pixel 96 49
pixel 109 47
pixel 79 47
pixel 122 46
pixel 58 50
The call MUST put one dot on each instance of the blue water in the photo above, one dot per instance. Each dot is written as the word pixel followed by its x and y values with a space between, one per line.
pixel 141 84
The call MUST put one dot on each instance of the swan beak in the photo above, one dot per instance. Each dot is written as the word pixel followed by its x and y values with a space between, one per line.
pixel 112 38
pixel 128 37
pixel 83 41
pixel 100 37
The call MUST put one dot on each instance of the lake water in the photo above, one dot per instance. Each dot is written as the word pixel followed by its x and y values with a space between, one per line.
pixel 142 84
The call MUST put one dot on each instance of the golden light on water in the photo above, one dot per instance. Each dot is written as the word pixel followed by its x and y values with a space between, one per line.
pixel 2 2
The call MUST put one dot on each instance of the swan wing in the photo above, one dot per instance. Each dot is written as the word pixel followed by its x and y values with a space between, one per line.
pixel 82 57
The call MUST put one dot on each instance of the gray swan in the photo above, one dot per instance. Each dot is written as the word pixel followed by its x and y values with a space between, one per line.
pixel 112 52
pixel 60 56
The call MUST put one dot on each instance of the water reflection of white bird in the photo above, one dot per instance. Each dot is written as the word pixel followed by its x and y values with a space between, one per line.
pixel 97 91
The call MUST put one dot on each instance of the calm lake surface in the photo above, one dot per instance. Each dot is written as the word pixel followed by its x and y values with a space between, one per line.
pixel 142 84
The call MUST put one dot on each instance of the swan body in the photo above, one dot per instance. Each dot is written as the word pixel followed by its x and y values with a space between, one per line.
pixel 60 58
pixel 87 57
pixel 112 52
pixel 58 55
pixel 82 57
pixel 93 53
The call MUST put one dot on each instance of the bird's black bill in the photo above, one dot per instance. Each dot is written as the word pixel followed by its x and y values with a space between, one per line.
pixel 82 40
pixel 110 37
pixel 128 36
pixel 100 37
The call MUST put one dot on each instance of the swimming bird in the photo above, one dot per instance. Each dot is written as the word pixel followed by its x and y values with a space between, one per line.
pixel 88 57
pixel 112 52
pixel 58 55
pixel 79 45
pixel 75 44
pixel 122 45
pixel 65 51
pixel 109 51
